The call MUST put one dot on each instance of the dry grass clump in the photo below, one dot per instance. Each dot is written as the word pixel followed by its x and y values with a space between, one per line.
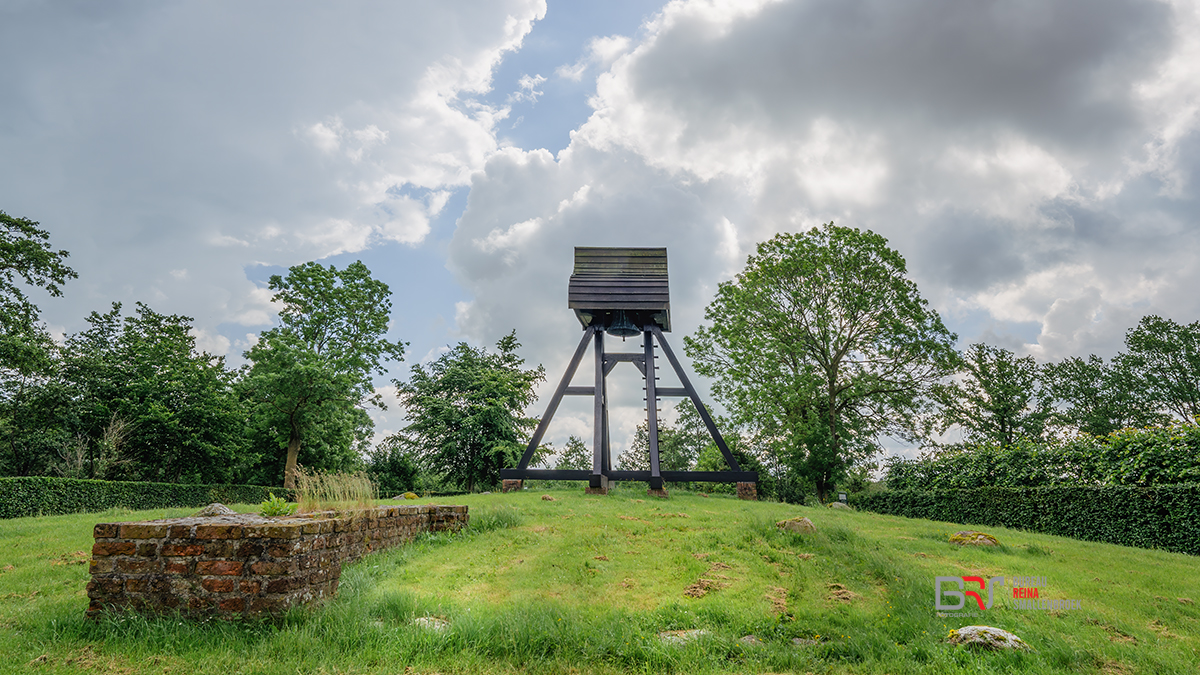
pixel 334 491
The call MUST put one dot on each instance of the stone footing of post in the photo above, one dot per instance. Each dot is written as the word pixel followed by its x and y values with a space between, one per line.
pixel 747 491
pixel 602 489
pixel 660 493
pixel 511 485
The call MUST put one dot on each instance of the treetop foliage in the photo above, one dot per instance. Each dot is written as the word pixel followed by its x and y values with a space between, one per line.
pixel 820 345
pixel 465 412
pixel 25 254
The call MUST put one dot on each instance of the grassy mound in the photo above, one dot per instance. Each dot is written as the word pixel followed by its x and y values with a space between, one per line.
pixel 593 584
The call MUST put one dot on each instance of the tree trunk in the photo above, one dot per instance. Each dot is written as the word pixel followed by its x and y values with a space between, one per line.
pixel 289 470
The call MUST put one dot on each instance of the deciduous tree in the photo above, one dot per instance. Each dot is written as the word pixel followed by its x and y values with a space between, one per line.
pixel 821 344
pixel 1163 359
pixel 1000 397
pixel 1098 398
pixel 311 375
pixel 465 412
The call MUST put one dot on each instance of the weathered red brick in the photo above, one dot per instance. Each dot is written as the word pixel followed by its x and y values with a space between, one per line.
pixel 138 565
pixel 282 584
pixel 249 549
pixel 250 586
pixel 180 532
pixel 269 568
pixel 290 531
pixel 143 531
pixel 105 586
pixel 105 530
pixel 269 605
pixel 219 567
pixel 101 565
pixel 218 531
pixel 147 549
pixel 217 584
pixel 103 548
pixel 176 567
pixel 235 604
pixel 221 548
pixel 182 549
pixel 199 602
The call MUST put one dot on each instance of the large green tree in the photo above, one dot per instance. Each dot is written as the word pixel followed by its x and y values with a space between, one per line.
pixel 999 398
pixel 311 376
pixel 1098 398
pixel 145 403
pixel 26 256
pixel 1163 360
pixel 821 345
pixel 29 390
pixel 465 412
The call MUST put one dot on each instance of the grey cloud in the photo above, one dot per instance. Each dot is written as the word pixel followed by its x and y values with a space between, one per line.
pixel 1058 71
pixel 152 138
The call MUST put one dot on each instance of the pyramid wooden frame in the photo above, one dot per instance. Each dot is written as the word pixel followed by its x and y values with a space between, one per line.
pixel 625 286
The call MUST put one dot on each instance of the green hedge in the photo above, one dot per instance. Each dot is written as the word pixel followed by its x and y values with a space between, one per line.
pixel 1166 517
pixel 42 496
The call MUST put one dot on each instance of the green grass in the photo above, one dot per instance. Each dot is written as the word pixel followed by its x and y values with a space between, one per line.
pixel 585 584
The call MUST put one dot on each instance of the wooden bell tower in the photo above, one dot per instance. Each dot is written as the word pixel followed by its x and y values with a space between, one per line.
pixel 624 292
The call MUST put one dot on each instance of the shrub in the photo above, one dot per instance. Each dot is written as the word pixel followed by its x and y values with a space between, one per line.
pixel 1167 455
pixel 276 506
pixel 1166 517
pixel 45 496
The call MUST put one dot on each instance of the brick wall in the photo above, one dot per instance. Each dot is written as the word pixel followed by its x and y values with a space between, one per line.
pixel 244 565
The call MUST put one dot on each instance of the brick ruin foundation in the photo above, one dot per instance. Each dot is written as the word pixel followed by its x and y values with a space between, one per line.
pixel 244 565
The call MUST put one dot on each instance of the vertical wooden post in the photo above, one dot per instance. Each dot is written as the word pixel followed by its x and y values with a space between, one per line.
pixel 656 482
pixel 598 482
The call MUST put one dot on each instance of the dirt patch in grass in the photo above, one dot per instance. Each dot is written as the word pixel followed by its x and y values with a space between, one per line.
pixel 778 599
pixel 75 558
pixel 839 593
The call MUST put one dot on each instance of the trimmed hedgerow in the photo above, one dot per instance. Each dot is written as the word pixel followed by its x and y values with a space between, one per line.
pixel 1153 456
pixel 44 496
pixel 1166 517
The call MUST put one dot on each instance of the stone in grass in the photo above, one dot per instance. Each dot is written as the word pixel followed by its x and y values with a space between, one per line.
pixel 431 623
pixel 750 640
pixel 840 505
pixel 986 637
pixel 801 525
pixel 216 509
pixel 548 498
pixel 804 642
pixel 973 538
pixel 679 637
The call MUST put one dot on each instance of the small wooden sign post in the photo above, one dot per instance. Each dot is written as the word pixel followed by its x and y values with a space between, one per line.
pixel 624 292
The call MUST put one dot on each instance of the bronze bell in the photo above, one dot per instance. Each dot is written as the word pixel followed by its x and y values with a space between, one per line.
pixel 621 326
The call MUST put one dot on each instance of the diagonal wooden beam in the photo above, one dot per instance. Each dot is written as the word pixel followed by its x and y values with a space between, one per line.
pixel 691 391
pixel 556 399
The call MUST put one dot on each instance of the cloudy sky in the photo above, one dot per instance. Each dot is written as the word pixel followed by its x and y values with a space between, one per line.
pixel 1034 161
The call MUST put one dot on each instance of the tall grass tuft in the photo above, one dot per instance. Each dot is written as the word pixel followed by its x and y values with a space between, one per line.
pixel 494 518
pixel 317 491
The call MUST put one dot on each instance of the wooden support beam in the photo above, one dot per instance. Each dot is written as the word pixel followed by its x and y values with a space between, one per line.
pixel 651 410
pixel 536 439
pixel 687 385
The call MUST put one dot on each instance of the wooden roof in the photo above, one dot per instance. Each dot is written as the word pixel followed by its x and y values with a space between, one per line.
pixel 630 279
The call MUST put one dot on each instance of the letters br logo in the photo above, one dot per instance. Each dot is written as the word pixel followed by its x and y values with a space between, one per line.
pixel 962 593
